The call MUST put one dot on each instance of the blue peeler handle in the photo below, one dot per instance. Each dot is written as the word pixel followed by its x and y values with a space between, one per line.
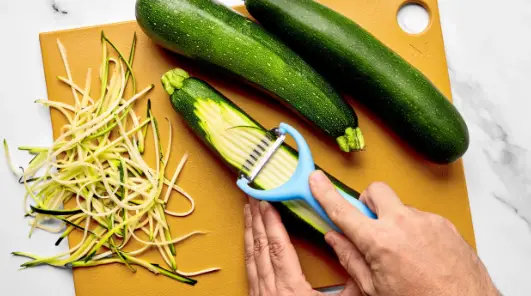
pixel 298 187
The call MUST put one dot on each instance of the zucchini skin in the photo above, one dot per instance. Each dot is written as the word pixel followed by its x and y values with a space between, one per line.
pixel 375 75
pixel 212 33
pixel 183 100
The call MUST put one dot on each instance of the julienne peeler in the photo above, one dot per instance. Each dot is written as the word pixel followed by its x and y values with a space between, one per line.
pixel 297 187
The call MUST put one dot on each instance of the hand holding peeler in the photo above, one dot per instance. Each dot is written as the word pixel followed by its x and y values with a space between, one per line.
pixel 297 187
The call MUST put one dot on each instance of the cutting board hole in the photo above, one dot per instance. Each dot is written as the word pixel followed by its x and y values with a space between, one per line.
pixel 413 17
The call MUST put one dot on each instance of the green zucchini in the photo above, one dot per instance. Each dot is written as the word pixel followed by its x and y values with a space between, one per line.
pixel 232 135
pixel 55 212
pixel 210 32
pixel 375 75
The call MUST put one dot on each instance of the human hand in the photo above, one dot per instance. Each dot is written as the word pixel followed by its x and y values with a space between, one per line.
pixel 273 267
pixel 404 252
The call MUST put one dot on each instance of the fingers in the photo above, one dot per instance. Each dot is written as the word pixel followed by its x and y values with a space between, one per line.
pixel 380 198
pixel 282 253
pixel 252 275
pixel 352 260
pixel 262 260
pixel 351 289
pixel 349 219
pixel 272 263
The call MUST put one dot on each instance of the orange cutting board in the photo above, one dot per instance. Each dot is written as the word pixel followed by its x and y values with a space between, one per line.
pixel 439 189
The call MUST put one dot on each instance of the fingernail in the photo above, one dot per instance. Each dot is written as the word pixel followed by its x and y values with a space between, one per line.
pixel 330 238
pixel 263 206
pixel 317 177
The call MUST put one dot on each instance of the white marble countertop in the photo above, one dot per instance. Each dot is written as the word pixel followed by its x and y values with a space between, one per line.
pixel 489 59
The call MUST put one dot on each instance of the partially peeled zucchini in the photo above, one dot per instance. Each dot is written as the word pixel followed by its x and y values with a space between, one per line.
pixel 233 135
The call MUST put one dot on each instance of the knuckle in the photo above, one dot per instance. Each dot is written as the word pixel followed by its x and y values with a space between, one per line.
pixel 338 211
pixel 256 216
pixel 367 286
pixel 276 248
pixel 375 187
pixel 383 247
pixel 248 225
pixel 351 264
pixel 260 245
pixel 345 257
pixel 249 256
pixel 377 184
pixel 400 218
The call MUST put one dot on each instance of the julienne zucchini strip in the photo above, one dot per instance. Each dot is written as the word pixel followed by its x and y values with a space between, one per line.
pixel 94 179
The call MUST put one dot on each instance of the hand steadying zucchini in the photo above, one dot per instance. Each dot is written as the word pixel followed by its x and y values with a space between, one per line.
pixel 208 31
pixel 233 135
pixel 374 74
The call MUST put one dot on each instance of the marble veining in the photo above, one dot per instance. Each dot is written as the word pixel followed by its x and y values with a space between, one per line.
pixel 57 8
pixel 507 159
pixel 490 65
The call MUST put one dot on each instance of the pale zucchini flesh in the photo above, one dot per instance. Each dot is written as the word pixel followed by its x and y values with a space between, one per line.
pixel 233 136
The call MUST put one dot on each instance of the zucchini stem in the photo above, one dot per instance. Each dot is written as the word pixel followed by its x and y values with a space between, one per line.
pixel 352 140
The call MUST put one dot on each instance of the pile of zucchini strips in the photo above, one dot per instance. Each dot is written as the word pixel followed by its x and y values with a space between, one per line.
pixel 96 168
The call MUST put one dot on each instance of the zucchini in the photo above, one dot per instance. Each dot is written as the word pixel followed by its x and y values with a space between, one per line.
pixel 55 212
pixel 232 135
pixel 370 71
pixel 210 32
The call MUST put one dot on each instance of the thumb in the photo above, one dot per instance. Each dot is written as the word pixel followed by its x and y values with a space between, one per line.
pixel 350 220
